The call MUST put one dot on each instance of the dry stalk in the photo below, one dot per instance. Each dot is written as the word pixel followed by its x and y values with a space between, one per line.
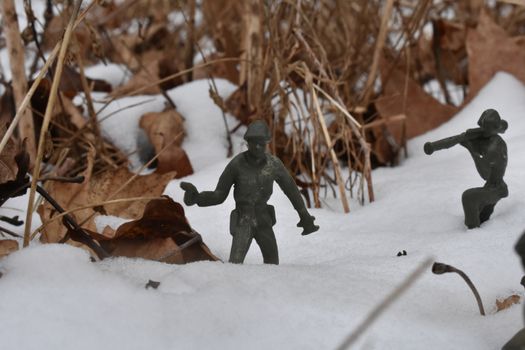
pixel 329 145
pixel 19 81
pixel 47 118
pixel 367 170
pixel 211 81
pixel 99 145
pixel 252 41
pixel 171 77
pixel 190 52
pixel 380 43
pixel 515 2
pixel 27 99
pixel 131 179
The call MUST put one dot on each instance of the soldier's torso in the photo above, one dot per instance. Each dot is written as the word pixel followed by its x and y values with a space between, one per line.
pixel 253 184
pixel 490 156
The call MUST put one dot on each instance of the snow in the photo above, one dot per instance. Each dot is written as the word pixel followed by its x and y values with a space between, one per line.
pixel 204 123
pixel 53 297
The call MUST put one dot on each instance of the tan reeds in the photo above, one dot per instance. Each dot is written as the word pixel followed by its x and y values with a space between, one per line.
pixel 47 119
pixel 16 51
pixel 27 98
pixel 314 70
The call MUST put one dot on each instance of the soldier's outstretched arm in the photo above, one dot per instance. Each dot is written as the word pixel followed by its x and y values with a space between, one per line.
pixel 209 198
pixel 289 187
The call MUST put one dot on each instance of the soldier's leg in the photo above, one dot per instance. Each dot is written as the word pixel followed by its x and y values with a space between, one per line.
pixel 240 245
pixel 265 238
pixel 471 200
pixel 486 212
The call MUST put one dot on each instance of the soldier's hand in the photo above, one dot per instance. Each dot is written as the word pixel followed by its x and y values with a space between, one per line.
pixel 190 193
pixel 307 223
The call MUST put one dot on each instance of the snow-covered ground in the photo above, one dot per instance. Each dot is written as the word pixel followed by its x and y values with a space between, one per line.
pixel 53 297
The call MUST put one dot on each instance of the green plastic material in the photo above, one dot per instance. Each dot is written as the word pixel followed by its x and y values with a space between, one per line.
pixel 252 174
pixel 489 152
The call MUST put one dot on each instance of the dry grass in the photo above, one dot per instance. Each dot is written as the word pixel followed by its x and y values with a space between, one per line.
pixel 313 69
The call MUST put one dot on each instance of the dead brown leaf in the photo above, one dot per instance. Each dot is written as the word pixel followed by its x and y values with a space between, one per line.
pixel 502 304
pixel 7 106
pixel 8 166
pixel 162 233
pixel 14 165
pixel 237 105
pixel 144 77
pixel 55 30
pixel 70 83
pixel 491 50
pixel 7 246
pixel 96 189
pixel 161 128
pixel 168 67
pixel 226 69
pixel 423 112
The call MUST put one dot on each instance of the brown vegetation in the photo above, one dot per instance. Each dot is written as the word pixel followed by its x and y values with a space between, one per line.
pixel 342 84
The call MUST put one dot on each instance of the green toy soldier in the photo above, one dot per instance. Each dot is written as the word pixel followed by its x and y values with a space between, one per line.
pixel 252 174
pixel 489 152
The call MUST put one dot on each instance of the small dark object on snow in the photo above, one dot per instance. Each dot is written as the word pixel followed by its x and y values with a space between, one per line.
pixel 152 284
pixel 252 174
pixel 489 152
pixel 402 253
pixel 517 342
pixel 440 268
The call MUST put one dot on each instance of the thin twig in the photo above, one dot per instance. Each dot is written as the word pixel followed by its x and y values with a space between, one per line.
pixel 380 43
pixel 381 307
pixel 335 161
pixel 170 77
pixel 9 232
pixel 27 99
pixel 212 85
pixel 92 205
pixel 72 225
pixel 131 179
pixel 19 80
pixel 440 268
pixel 47 118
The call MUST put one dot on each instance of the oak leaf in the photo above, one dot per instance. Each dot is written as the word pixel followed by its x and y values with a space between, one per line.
pixel 162 233
pixel 7 246
pixel 490 49
pixel 502 304
pixel 161 128
pixel 14 165
pixel 96 189
pixel 423 112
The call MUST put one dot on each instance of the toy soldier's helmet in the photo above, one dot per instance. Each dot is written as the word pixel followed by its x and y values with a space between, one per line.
pixel 490 120
pixel 258 130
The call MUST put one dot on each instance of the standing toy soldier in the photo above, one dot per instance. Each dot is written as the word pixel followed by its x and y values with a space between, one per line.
pixel 489 152
pixel 252 174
